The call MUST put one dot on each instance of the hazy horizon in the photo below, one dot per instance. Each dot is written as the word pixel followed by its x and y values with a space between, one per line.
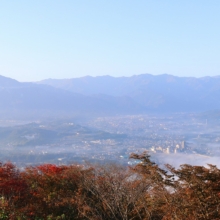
pixel 83 76
pixel 73 39
pixel 69 39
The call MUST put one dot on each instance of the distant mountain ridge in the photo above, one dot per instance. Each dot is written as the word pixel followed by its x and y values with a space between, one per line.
pixel 25 99
pixel 156 93
pixel 8 82
pixel 106 95
pixel 122 85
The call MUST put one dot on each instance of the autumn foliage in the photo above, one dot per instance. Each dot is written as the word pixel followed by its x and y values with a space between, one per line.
pixel 143 191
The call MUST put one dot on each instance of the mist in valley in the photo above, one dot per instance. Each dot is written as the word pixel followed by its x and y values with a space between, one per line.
pixel 176 138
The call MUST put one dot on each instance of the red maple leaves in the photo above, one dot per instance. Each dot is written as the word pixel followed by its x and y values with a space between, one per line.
pixel 144 191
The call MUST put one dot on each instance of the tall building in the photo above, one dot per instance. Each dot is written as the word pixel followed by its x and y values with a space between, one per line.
pixel 183 144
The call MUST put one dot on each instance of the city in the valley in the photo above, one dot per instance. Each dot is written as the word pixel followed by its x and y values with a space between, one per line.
pixel 111 138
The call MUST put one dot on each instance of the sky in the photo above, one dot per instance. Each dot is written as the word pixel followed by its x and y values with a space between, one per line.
pixel 74 38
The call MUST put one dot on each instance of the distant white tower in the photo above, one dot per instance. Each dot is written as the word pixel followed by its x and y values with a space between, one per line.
pixel 183 144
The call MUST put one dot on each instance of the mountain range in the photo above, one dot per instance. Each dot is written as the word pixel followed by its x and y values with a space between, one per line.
pixel 154 93
pixel 110 95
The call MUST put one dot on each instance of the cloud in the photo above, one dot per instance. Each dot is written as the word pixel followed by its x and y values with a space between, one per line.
pixel 193 159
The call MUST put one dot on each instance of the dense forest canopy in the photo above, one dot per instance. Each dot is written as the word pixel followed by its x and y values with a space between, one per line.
pixel 141 191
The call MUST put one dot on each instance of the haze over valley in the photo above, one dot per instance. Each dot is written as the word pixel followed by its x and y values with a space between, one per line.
pixel 99 80
pixel 103 119
pixel 109 110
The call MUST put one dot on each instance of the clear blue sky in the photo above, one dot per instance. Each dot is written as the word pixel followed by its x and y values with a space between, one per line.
pixel 72 38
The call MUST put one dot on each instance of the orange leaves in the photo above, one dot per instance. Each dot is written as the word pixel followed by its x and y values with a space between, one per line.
pixel 144 191
pixel 51 169
pixel 38 192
